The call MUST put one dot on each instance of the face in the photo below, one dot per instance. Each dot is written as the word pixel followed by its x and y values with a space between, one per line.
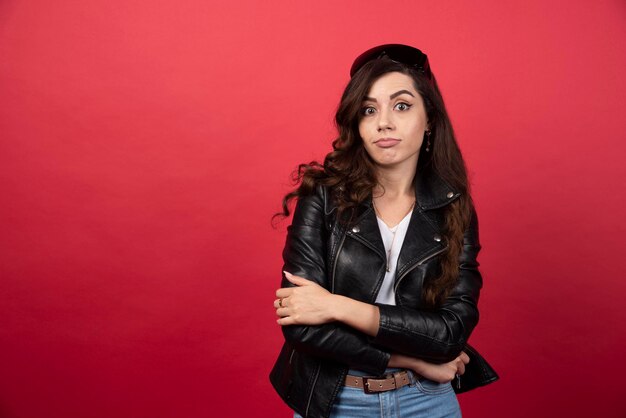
pixel 393 121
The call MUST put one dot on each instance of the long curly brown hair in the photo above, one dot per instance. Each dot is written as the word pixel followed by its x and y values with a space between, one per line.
pixel 350 174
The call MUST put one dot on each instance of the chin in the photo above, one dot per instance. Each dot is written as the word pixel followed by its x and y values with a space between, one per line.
pixel 386 163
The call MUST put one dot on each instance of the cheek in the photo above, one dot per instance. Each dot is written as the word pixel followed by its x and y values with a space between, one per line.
pixel 419 138
pixel 419 129
pixel 364 129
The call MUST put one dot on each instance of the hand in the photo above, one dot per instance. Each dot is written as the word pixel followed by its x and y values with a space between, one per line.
pixel 441 373
pixel 306 304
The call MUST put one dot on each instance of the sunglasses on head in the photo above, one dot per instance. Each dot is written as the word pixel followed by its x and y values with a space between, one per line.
pixel 402 54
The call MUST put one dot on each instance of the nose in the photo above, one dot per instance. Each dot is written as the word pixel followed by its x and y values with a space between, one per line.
pixel 384 120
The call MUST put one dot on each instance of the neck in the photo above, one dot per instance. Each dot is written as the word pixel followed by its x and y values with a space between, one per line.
pixel 396 181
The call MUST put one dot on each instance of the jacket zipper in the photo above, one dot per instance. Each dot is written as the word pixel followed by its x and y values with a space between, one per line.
pixel 308 404
pixel 332 286
pixel 419 263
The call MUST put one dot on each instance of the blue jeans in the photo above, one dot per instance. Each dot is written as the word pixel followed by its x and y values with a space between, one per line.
pixel 421 398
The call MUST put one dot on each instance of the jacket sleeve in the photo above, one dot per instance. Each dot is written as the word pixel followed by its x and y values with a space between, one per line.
pixel 440 335
pixel 305 255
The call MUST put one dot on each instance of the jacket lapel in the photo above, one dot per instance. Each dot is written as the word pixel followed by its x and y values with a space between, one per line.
pixel 420 241
pixel 365 229
pixel 424 237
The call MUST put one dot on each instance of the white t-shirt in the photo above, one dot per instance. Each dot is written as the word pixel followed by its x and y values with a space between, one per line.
pixel 386 294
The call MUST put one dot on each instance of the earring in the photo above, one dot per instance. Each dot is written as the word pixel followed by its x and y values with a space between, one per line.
pixel 427 141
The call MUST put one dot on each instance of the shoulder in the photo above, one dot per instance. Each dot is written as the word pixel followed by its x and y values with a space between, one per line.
pixel 314 208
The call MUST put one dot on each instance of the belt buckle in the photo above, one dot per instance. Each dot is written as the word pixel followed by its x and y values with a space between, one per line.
pixel 366 386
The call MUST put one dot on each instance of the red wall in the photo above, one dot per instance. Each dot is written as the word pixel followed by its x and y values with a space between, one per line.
pixel 144 146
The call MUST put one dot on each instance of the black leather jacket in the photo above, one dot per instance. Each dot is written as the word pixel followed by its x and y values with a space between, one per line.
pixel 350 261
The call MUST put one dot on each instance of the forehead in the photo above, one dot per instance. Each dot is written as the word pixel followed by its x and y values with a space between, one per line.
pixel 390 83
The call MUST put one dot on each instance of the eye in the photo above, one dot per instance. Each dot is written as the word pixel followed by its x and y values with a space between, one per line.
pixel 369 110
pixel 403 106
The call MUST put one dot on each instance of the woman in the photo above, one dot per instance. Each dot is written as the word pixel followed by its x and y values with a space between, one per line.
pixel 381 284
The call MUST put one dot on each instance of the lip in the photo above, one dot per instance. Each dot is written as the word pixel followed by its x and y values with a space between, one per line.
pixel 387 142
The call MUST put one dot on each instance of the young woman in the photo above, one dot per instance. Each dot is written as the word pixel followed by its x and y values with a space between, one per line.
pixel 381 284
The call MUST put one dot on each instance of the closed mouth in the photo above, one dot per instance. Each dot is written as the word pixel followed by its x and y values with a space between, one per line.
pixel 387 142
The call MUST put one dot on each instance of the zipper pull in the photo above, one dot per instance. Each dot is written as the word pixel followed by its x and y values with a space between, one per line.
pixel 458 381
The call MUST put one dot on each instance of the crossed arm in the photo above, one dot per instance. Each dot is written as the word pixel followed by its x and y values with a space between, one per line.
pixel 349 331
pixel 310 304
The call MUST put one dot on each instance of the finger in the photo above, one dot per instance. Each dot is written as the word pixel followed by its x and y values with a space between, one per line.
pixel 297 280
pixel 464 357
pixel 282 312
pixel 280 303
pixel 288 320
pixel 461 368
pixel 284 292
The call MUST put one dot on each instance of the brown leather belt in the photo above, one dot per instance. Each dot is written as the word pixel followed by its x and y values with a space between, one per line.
pixel 379 384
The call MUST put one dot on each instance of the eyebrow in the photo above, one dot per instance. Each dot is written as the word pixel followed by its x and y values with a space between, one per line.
pixel 393 96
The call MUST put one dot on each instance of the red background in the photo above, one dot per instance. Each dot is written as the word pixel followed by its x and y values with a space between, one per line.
pixel 144 146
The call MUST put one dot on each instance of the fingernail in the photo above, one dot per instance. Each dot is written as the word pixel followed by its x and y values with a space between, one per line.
pixel 287 273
